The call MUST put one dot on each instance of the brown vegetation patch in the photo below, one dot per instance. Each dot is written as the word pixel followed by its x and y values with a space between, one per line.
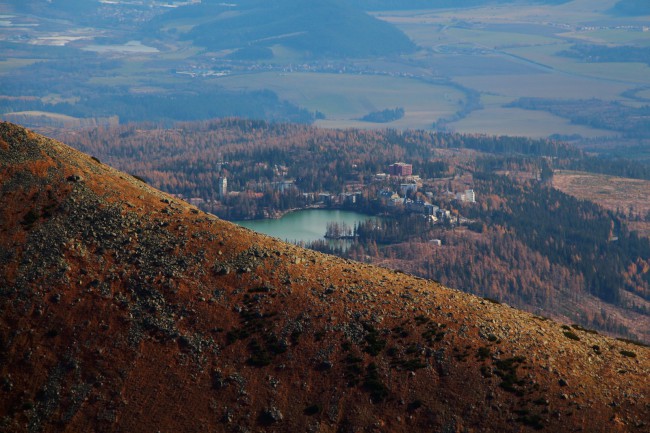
pixel 39 168
pixel 628 196
pixel 641 227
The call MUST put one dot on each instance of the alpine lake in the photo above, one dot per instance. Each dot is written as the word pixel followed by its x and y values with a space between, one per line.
pixel 304 226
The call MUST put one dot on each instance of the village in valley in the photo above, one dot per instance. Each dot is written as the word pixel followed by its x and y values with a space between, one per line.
pixel 396 192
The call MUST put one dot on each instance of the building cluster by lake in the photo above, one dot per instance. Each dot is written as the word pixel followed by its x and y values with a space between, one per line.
pixel 396 191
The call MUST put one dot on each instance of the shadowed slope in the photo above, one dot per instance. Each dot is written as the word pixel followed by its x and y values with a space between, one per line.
pixel 124 309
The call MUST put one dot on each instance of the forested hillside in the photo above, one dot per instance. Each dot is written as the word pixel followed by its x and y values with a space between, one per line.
pixel 329 28
pixel 182 159
pixel 522 242
pixel 632 7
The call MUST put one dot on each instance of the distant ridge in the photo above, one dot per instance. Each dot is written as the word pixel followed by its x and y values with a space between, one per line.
pixel 327 28
pixel 434 4
pixel 125 309
pixel 631 8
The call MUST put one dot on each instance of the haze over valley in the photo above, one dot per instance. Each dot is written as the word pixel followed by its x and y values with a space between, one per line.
pixel 487 68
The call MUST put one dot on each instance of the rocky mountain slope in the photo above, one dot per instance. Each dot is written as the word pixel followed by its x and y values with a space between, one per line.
pixel 124 309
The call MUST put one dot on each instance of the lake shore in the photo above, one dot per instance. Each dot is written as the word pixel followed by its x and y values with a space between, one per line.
pixel 305 225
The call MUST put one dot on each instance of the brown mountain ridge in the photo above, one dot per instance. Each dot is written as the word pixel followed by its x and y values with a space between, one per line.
pixel 125 309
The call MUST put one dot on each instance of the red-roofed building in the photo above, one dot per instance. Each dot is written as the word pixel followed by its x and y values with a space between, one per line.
pixel 400 169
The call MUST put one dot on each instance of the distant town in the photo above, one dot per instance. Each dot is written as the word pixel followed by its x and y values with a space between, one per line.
pixel 396 191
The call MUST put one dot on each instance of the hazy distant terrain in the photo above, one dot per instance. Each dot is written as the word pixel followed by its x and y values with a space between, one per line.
pixel 70 7
pixel 328 28
pixel 471 66
pixel 429 4
pixel 632 7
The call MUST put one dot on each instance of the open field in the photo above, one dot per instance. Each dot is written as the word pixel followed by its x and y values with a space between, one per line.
pixel 498 90
pixel 11 64
pixel 497 120
pixel 496 39
pixel 608 191
pixel 44 118
pixel 435 34
pixel 467 64
pixel 617 72
pixel 545 85
pixel 506 53
pixel 610 36
pixel 344 98
pixel 577 11
pixel 137 72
